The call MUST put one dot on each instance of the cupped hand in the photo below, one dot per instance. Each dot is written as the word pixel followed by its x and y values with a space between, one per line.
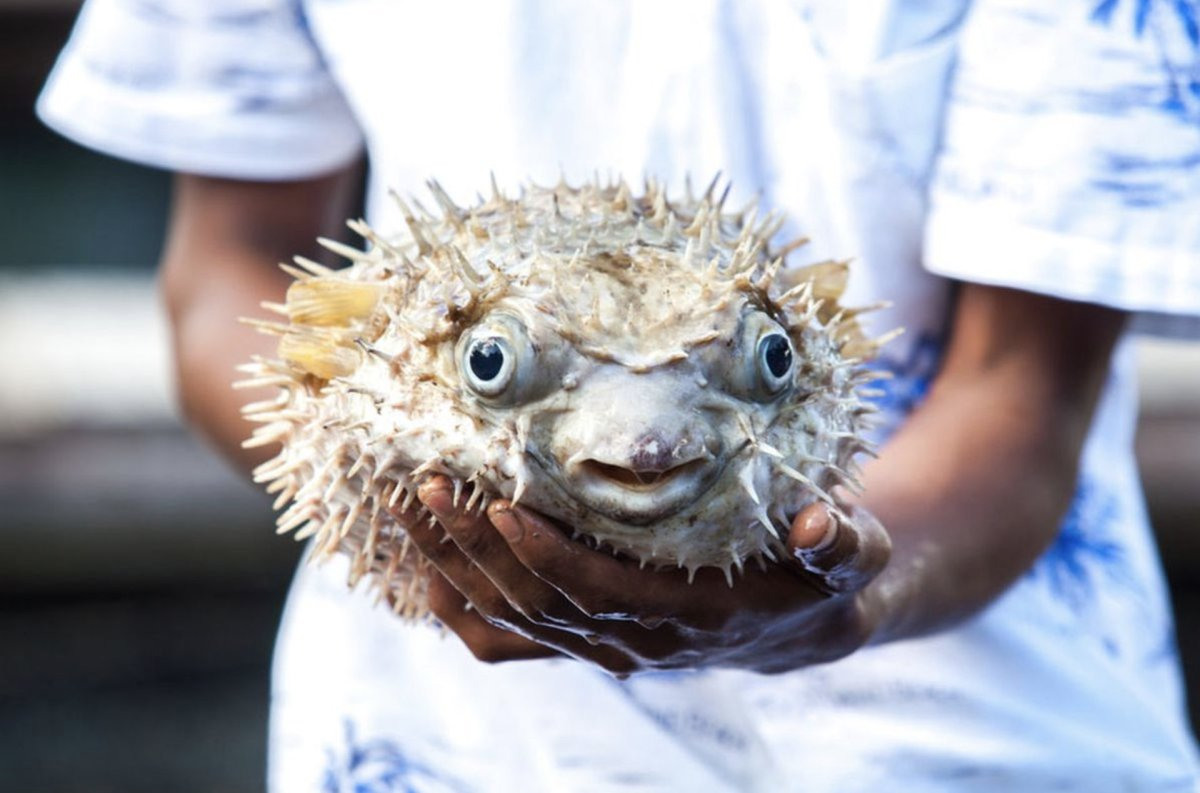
pixel 514 586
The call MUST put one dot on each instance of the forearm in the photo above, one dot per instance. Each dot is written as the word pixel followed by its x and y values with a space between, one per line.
pixel 989 497
pixel 996 448
pixel 209 342
pixel 224 244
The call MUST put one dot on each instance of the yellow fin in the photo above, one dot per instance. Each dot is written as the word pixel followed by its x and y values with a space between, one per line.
pixel 319 354
pixel 331 301
pixel 828 278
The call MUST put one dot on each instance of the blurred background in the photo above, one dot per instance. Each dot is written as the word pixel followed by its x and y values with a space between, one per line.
pixel 140 580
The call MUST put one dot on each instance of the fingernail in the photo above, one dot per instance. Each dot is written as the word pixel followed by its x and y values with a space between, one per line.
pixel 437 497
pixel 507 522
pixel 820 524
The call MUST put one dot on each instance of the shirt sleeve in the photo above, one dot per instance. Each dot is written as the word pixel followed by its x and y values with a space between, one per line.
pixel 232 88
pixel 1070 162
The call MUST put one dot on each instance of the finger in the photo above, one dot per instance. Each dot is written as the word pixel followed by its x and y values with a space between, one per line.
pixel 434 543
pixel 478 540
pixel 601 586
pixel 490 619
pixel 485 641
pixel 526 641
pixel 813 529
pixel 483 627
pixel 845 552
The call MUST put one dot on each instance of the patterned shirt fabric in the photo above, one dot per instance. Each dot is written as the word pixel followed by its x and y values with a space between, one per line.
pixel 1065 142
pixel 222 88
pixel 1071 156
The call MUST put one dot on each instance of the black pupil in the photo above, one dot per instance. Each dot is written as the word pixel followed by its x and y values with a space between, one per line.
pixel 777 354
pixel 487 359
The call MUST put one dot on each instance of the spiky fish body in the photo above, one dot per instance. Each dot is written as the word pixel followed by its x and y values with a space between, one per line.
pixel 643 370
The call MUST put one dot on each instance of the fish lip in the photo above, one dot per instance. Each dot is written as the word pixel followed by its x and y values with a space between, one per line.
pixel 630 503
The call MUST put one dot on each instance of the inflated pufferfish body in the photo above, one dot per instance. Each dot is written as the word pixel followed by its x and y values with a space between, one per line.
pixel 641 369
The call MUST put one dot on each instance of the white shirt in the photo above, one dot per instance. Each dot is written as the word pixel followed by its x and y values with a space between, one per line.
pixel 1058 157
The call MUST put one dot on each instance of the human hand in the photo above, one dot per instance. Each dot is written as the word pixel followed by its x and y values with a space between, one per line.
pixel 533 592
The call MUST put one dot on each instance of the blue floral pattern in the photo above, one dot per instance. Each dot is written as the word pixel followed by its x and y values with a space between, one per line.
pixel 1085 550
pixel 1184 10
pixel 379 766
pixel 1184 80
pixel 908 378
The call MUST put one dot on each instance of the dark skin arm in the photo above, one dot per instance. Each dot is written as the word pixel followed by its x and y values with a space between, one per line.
pixel 971 489
pixel 224 242
pixel 1000 438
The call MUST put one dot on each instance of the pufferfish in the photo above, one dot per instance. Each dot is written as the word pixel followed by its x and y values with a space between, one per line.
pixel 643 369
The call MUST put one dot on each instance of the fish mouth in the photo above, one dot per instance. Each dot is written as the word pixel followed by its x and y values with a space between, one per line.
pixel 639 481
pixel 640 497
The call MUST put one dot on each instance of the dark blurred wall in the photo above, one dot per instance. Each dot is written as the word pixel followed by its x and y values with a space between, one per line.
pixel 140 584
pixel 59 203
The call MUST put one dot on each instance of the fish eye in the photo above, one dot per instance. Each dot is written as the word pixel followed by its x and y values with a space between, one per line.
pixel 489 365
pixel 775 358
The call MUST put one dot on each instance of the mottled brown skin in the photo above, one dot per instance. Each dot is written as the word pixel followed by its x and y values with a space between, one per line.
pixel 224 241
pixel 971 488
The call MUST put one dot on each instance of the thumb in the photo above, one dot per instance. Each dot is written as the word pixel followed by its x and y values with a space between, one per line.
pixel 845 547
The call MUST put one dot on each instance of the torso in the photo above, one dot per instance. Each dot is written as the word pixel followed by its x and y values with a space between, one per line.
pixel 844 146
